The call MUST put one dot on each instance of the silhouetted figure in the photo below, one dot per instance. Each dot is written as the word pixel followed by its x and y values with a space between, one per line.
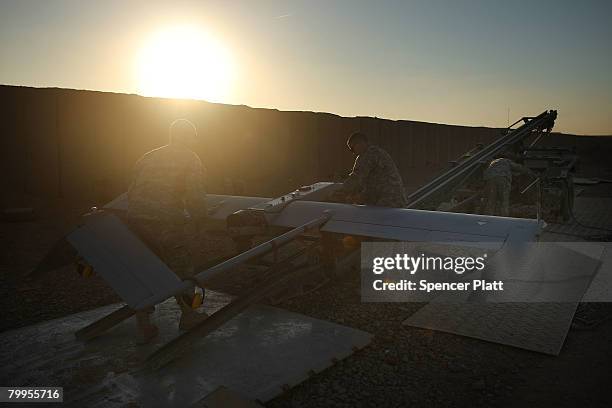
pixel 166 195
pixel 498 176
pixel 375 176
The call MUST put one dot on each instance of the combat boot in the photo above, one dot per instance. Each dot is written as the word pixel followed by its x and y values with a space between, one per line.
pixel 189 317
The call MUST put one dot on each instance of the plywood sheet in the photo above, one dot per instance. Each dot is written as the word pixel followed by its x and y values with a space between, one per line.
pixel 257 354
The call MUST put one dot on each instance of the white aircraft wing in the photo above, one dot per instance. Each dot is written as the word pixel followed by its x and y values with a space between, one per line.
pixel 378 222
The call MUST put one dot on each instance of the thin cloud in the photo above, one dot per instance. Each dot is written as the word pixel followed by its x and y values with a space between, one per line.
pixel 283 16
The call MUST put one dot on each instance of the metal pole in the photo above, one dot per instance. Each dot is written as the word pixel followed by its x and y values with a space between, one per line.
pixel 235 261
pixel 530 185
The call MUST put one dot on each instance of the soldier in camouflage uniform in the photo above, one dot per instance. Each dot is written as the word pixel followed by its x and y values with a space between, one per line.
pixel 375 176
pixel 498 176
pixel 167 196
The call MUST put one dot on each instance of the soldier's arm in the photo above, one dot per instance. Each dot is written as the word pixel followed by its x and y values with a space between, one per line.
pixel 195 191
pixel 356 181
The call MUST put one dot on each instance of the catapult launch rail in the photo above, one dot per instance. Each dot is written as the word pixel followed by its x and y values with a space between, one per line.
pixel 544 121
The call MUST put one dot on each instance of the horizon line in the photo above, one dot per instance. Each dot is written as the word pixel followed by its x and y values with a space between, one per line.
pixel 282 110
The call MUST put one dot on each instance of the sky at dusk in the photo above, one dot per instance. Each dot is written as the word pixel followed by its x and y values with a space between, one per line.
pixel 457 62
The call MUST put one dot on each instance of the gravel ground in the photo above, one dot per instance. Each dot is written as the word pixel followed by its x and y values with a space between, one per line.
pixel 403 366
pixel 409 366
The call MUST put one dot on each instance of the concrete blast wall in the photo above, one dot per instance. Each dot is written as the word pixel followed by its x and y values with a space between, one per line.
pixel 81 145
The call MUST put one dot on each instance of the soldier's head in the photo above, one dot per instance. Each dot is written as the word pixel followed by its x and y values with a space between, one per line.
pixel 183 133
pixel 357 142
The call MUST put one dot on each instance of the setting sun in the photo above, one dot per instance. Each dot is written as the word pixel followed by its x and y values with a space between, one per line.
pixel 184 62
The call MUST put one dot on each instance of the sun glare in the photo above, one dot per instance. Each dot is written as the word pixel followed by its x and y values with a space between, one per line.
pixel 184 62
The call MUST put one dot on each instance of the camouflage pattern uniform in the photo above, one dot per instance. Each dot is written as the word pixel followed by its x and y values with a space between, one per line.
pixel 498 176
pixel 376 177
pixel 167 194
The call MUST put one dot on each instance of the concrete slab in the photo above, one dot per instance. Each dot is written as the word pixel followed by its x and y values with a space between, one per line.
pixel 601 286
pixel 258 354
pixel 525 317
pixel 540 327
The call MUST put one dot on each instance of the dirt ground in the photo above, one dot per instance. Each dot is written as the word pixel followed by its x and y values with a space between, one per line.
pixel 403 366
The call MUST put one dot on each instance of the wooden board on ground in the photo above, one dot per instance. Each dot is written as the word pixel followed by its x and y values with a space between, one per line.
pixel 258 354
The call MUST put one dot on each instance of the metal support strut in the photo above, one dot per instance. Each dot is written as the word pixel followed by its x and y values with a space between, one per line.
pixel 235 261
